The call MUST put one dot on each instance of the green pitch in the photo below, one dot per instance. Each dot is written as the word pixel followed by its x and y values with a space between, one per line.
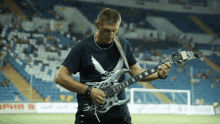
pixel 136 119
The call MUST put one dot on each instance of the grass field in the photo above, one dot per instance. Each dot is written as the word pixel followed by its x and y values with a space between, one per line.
pixel 136 119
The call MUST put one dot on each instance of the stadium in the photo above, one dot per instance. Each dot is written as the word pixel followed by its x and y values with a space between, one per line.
pixel 37 35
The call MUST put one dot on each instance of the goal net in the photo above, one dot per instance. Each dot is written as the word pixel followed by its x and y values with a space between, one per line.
pixel 161 100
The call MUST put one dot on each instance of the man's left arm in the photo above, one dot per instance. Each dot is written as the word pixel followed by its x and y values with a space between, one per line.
pixel 136 69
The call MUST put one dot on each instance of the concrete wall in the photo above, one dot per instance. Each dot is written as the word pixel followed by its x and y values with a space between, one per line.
pixel 163 5
pixel 163 24
pixel 71 14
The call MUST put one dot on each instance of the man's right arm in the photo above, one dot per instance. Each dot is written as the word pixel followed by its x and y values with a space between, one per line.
pixel 64 79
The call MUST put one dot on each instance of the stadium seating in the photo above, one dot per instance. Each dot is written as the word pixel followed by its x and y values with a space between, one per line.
pixel 45 84
pixel 4 9
pixel 213 58
pixel 44 71
pixel 180 20
pixel 7 93
pixel 126 13
pixel 206 46
pixel 200 90
pixel 39 83
pixel 42 7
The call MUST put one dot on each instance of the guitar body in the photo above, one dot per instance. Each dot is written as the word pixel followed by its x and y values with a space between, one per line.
pixel 112 87
pixel 90 106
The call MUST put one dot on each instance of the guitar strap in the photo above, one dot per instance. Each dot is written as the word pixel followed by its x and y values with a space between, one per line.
pixel 118 44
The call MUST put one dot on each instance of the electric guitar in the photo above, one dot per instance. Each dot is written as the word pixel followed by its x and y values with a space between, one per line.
pixel 112 87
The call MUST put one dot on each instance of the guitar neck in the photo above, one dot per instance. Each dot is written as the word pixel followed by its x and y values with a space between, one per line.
pixel 122 85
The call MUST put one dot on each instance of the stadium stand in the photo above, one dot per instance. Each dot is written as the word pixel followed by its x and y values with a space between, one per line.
pixel 190 2
pixel 180 20
pixel 46 69
pixel 7 93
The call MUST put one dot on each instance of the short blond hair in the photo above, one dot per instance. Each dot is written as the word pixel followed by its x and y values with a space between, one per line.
pixel 110 15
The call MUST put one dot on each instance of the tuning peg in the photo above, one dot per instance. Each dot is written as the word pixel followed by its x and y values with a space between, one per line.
pixel 197 55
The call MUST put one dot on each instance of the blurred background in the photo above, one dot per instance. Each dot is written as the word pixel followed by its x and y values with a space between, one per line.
pixel 37 35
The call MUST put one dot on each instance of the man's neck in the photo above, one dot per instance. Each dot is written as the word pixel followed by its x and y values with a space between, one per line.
pixel 98 39
pixel 101 44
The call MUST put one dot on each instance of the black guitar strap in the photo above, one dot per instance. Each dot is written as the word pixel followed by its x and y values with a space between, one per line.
pixel 118 44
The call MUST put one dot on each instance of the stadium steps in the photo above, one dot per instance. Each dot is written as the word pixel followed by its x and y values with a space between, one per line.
pixel 21 84
pixel 162 97
pixel 16 9
pixel 202 25
pixel 212 64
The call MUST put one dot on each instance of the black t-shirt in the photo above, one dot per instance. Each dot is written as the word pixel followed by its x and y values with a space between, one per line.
pixel 95 65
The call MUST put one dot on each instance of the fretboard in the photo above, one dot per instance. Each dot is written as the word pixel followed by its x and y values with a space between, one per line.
pixel 136 78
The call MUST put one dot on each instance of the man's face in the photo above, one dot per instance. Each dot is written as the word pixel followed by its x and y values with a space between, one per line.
pixel 108 31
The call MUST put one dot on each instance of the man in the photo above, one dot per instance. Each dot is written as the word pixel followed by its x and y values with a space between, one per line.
pixel 3 59
pixel 197 101
pixel 215 105
pixel 3 82
pixel 139 101
pixel 17 98
pixel 97 58
pixel 47 99
pixel 69 98
pixel 62 98
pixel 202 102
pixel 8 82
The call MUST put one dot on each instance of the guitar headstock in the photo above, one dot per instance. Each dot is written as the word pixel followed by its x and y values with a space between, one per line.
pixel 183 56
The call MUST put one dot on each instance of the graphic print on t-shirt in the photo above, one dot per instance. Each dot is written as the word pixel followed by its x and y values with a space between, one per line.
pixel 101 66
pixel 107 74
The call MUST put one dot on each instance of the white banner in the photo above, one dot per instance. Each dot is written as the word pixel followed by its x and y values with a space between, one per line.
pixel 217 110
pixel 171 109
pixel 134 109
pixel 202 110
pixel 18 108
pixel 57 107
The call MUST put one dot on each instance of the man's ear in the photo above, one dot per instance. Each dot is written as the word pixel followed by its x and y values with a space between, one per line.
pixel 97 24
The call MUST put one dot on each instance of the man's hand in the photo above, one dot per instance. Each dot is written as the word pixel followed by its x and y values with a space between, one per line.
pixel 98 96
pixel 165 68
